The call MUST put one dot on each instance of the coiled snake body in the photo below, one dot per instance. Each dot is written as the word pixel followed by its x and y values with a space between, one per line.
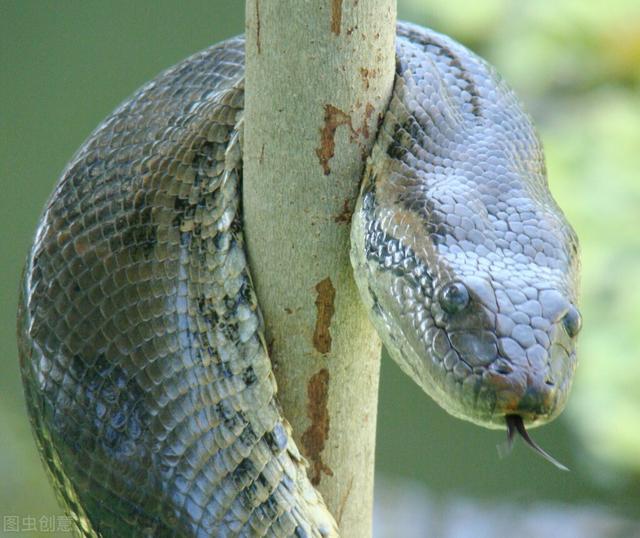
pixel 146 376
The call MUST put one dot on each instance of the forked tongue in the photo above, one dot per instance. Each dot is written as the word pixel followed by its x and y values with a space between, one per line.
pixel 515 424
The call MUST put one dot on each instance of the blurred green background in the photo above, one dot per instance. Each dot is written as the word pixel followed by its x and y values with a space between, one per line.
pixel 575 64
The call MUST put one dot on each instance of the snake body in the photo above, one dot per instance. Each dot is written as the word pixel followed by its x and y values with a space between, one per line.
pixel 146 375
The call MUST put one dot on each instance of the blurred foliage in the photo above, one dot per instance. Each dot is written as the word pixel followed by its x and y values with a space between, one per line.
pixel 576 66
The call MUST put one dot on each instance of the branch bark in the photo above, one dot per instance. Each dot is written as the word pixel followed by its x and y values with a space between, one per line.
pixel 318 78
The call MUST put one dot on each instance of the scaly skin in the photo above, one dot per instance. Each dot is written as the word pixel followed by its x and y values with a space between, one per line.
pixel 455 200
pixel 146 375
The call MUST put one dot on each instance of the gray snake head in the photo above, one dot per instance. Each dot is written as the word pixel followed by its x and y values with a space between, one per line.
pixel 466 263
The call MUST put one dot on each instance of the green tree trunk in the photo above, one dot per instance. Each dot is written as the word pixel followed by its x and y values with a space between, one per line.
pixel 318 77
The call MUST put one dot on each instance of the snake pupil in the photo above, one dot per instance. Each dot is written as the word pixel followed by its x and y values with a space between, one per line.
pixel 572 322
pixel 454 297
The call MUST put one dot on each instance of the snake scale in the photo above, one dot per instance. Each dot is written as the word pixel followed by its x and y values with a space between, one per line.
pixel 147 379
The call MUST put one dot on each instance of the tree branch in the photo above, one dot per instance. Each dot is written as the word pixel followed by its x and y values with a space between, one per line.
pixel 318 78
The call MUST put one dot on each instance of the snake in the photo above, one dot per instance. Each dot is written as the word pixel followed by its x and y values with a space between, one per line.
pixel 146 374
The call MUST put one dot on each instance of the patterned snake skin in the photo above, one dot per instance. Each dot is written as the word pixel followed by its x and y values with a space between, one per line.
pixel 146 374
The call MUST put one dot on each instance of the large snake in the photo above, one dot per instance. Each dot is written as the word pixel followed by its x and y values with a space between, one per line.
pixel 147 379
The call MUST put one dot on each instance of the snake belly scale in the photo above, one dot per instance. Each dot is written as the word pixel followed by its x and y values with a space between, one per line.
pixel 146 375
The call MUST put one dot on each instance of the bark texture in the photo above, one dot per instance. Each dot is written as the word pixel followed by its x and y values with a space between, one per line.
pixel 318 78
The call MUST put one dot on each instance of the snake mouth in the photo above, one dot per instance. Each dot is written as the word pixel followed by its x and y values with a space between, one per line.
pixel 527 394
pixel 515 424
pixel 535 395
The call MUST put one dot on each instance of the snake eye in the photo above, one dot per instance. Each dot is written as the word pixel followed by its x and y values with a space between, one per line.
pixel 454 297
pixel 572 321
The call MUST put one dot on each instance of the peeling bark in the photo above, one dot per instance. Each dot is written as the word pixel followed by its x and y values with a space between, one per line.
pixel 336 16
pixel 333 118
pixel 315 436
pixel 318 78
pixel 325 308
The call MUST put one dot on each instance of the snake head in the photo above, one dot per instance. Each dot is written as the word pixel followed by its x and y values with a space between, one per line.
pixel 468 266
pixel 507 342
pixel 486 338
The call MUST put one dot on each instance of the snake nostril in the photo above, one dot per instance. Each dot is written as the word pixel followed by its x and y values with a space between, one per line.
pixel 549 382
pixel 572 321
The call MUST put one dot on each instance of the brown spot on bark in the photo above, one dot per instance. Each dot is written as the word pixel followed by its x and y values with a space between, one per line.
pixel 368 110
pixel 324 306
pixel 313 439
pixel 336 16
pixel 344 217
pixel 343 502
pixel 365 74
pixel 261 159
pixel 333 118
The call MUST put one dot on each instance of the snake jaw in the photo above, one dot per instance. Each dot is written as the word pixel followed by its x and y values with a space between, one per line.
pixel 515 424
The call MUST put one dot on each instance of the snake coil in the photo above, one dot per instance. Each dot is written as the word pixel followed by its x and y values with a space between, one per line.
pixel 147 380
